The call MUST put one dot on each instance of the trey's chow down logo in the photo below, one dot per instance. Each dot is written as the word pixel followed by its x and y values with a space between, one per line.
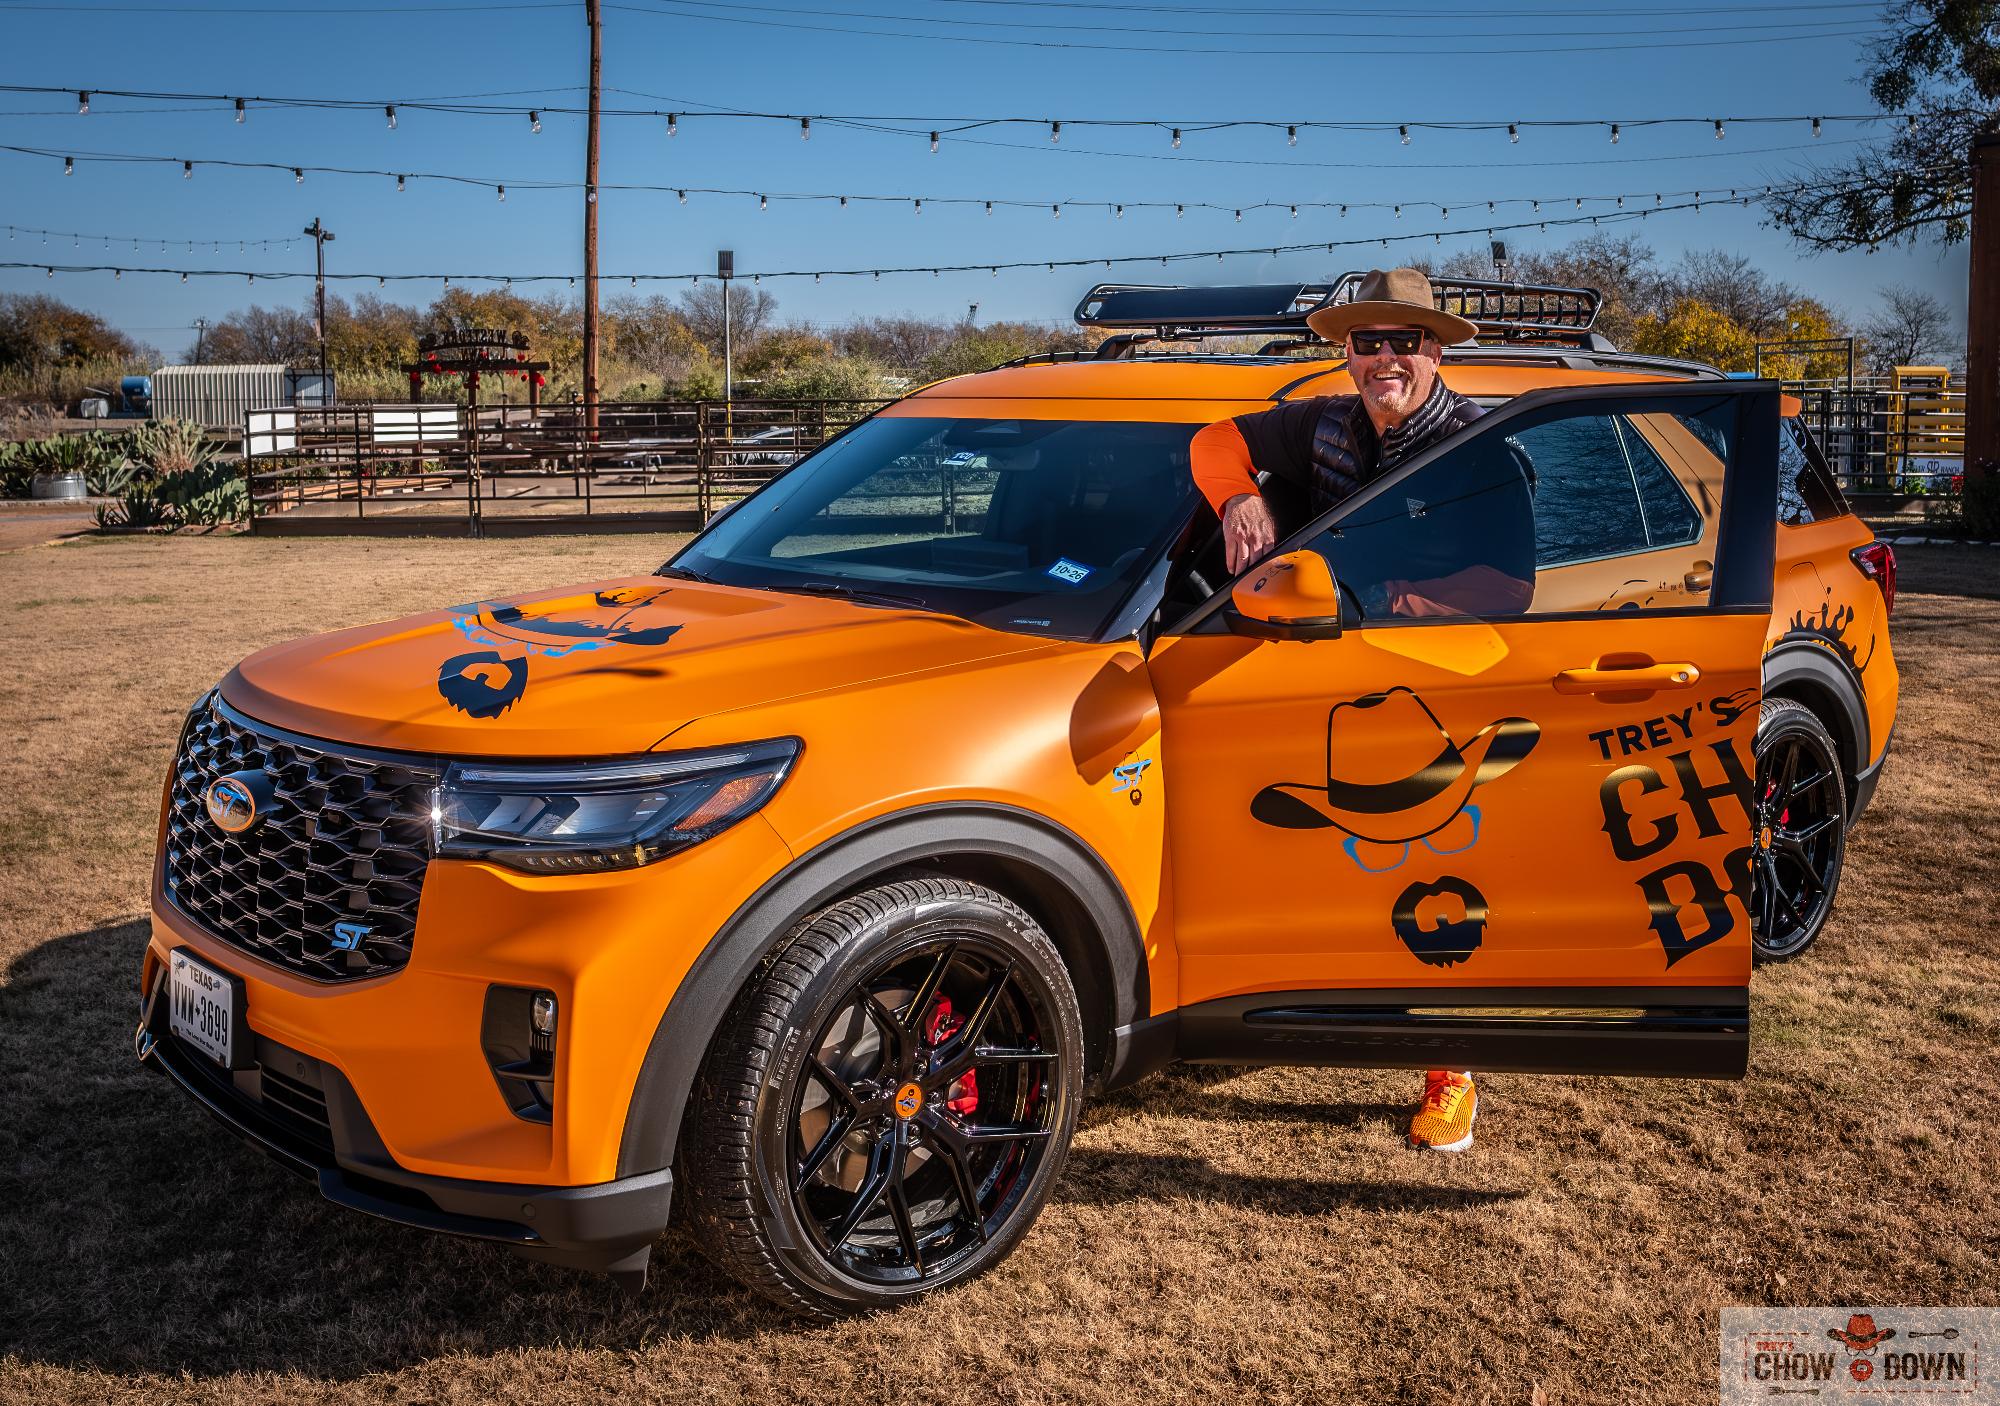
pixel 1394 780
pixel 484 683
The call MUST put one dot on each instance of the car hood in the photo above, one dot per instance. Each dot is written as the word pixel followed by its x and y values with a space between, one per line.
pixel 591 671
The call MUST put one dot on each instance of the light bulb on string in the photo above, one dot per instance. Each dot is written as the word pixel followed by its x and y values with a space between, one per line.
pixel 1055 133
pixel 399 183
pixel 1119 211
pixel 1815 126
pixel 187 170
pixel 1295 212
pixel 534 121
pixel 1179 211
pixel 1718 129
pixel 52 273
pixel 1177 139
pixel 934 143
pixel 673 123
pixel 69 165
pixel 683 195
pixel 1514 133
pixel 1614 134
pixel 763 203
pixel 1056 210
pixel 917 206
pixel 1403 131
pixel 1291 136
pixel 184 277
pixel 989 207
pixel 843 202
pixel 1910 125
pixel 242 112
pixel 298 175
pixel 501 193
pixel 805 129
pixel 390 111
pixel 83 104
pixel 1239 217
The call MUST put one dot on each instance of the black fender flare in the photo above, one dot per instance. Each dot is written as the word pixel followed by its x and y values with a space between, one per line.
pixel 1101 940
pixel 1812 673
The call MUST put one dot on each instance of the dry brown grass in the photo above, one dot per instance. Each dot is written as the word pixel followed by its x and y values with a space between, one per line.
pixel 1254 1236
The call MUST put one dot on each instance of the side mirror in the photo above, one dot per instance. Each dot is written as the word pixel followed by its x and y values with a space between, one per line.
pixel 1290 597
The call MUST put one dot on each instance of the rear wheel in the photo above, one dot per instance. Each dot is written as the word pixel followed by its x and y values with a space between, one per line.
pixel 889 1103
pixel 1800 838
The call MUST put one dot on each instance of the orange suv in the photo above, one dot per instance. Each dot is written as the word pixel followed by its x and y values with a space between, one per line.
pixel 810 882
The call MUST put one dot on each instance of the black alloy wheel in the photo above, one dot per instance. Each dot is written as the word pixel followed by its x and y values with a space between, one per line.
pixel 1800 836
pixel 887 1108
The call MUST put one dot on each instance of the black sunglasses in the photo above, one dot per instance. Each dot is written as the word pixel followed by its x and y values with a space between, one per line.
pixel 1403 341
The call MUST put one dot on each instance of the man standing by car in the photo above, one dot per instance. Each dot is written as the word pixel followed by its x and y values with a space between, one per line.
pixel 1328 447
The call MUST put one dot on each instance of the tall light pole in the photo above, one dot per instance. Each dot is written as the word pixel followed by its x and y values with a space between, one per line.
pixel 595 20
pixel 725 269
pixel 321 235
pixel 200 336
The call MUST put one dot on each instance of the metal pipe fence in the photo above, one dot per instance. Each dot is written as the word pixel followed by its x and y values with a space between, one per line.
pixel 648 465
pixel 1888 446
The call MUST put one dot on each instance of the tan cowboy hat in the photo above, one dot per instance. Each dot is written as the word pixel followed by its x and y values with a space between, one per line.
pixel 1392 771
pixel 1392 298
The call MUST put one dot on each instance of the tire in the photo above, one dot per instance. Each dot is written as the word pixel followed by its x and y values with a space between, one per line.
pixel 888 1102
pixel 1800 839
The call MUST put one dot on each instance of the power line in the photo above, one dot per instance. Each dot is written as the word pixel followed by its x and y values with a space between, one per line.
pixel 1290 51
pixel 992 267
pixel 1238 32
pixel 953 125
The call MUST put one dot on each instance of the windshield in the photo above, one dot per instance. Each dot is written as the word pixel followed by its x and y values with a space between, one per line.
pixel 1034 526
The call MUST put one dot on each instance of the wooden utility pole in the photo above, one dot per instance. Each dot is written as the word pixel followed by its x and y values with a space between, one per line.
pixel 1982 315
pixel 320 235
pixel 590 225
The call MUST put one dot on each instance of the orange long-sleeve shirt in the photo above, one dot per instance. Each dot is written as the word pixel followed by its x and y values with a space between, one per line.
pixel 1219 457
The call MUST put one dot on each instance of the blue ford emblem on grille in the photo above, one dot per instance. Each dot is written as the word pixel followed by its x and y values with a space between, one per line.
pixel 238 801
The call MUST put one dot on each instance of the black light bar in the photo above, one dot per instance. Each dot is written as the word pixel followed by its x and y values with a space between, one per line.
pixel 1175 312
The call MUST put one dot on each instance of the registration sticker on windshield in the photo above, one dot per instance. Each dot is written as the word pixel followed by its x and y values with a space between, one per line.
pixel 1073 572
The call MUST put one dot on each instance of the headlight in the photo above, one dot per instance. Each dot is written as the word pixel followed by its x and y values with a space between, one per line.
pixel 589 816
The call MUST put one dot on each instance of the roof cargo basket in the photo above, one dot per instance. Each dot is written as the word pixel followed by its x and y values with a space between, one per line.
pixel 1506 311
pixel 1503 312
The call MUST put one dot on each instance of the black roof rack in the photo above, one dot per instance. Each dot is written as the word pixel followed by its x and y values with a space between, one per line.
pixel 1498 308
pixel 1503 312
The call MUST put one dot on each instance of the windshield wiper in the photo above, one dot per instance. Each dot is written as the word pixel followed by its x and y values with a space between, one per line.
pixel 681 573
pixel 840 592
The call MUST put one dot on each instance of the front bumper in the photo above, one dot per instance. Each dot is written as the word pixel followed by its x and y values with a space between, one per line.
pixel 305 1115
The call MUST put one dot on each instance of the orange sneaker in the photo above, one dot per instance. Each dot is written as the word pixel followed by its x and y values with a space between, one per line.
pixel 1444 1121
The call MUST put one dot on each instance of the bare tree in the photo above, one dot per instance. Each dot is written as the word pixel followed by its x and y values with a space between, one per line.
pixel 750 310
pixel 1909 328
pixel 1941 63
pixel 1733 286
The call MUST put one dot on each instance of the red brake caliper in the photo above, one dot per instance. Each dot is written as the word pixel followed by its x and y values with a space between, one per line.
pixel 963 1095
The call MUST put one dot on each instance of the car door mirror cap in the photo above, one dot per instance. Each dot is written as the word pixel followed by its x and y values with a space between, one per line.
pixel 1289 597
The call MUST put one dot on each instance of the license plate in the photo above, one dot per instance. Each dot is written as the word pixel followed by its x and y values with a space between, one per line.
pixel 203 1010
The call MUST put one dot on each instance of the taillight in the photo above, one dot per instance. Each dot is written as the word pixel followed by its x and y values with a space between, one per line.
pixel 1877 561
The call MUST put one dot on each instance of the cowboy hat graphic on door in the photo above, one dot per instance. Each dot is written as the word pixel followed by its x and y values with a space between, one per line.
pixel 1395 780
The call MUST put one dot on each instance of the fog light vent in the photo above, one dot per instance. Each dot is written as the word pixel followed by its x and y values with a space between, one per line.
pixel 518 1035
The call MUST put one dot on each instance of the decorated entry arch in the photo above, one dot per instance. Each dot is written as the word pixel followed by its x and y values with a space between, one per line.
pixel 475 353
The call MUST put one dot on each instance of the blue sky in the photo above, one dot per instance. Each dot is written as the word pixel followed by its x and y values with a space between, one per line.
pixel 1272 59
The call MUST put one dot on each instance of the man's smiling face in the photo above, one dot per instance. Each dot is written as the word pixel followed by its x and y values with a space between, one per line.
pixel 1393 384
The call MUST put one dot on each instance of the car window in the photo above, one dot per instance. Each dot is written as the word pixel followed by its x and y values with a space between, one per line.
pixel 1570 509
pixel 1035 526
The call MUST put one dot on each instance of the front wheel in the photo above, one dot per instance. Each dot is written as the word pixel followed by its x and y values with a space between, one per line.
pixel 1800 838
pixel 889 1102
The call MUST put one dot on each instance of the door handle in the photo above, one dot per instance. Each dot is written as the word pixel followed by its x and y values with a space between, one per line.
pixel 1635 678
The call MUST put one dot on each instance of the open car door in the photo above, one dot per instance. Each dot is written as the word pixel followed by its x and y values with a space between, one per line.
pixel 1504 817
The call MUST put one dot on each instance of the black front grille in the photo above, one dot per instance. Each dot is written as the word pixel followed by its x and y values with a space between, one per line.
pixel 345 845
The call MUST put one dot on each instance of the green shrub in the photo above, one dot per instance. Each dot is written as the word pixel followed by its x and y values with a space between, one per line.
pixel 138 509
pixel 207 495
pixel 171 446
pixel 16 472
